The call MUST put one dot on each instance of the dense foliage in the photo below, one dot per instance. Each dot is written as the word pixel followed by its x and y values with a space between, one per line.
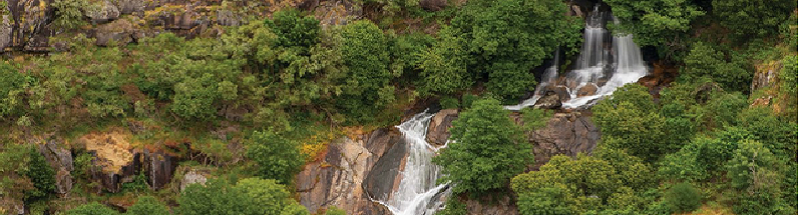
pixel 248 105
pixel 487 149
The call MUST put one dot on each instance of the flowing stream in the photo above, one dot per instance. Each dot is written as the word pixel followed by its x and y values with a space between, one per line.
pixel 600 68
pixel 418 192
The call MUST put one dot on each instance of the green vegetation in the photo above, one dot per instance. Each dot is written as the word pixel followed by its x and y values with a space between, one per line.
pixel 251 104
pixel 488 149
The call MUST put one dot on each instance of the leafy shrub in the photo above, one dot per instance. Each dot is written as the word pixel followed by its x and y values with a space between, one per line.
pixel 278 158
pixel 487 149
pixel 448 102
pixel 148 205
pixel 93 208
pixel 683 197
pixel 41 175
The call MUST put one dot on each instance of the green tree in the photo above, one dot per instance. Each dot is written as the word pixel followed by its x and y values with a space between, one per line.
pixel 510 37
pixel 444 66
pixel 683 197
pixel 293 29
pixel 93 208
pixel 41 175
pixel 148 205
pixel 662 23
pixel 248 197
pixel 69 13
pixel 194 98
pixel 755 173
pixel 753 18
pixel 728 70
pixel 487 150
pixel 628 121
pixel 277 158
pixel 364 49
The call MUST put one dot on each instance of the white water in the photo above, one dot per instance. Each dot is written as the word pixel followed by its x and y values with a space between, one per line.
pixel 595 63
pixel 418 184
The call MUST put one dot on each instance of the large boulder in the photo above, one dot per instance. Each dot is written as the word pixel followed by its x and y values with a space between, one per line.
pixel 105 12
pixel 549 101
pixel 338 179
pixel 440 123
pixel 60 159
pixel 159 167
pixel 120 31
pixel 566 133
pixel 587 90
pixel 130 6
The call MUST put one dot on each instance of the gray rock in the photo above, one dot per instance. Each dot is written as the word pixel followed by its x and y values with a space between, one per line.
pixel 193 177
pixel 228 18
pixel 487 206
pixel 549 101
pixel 337 12
pixel 130 6
pixel 104 13
pixel 440 123
pixel 159 167
pixel 566 133
pixel 5 32
pixel 60 160
pixel 120 31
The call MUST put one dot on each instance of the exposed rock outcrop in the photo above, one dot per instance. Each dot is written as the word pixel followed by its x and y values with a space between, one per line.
pixel 505 206
pixel 337 12
pixel 339 178
pixel 433 5
pixel 765 75
pixel 60 159
pixel 114 162
pixel 120 31
pixel 440 123
pixel 5 32
pixel 566 133
pixel 105 12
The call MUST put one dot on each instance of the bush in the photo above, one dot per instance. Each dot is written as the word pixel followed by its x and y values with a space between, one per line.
pixel 448 102
pixel 41 175
pixel 683 198
pixel 535 118
pixel 69 13
pixel 333 210
pixel 726 69
pixel 487 150
pixel 93 208
pixel 148 205
pixel 248 197
pixel 277 158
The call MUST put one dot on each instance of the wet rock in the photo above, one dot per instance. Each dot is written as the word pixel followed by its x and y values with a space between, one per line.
pixel 548 101
pixel 120 31
pixel 337 12
pixel 561 91
pixel 60 160
pixel 440 123
pixel 587 90
pixel 382 178
pixel 566 133
pixel 105 13
pixel 338 179
pixel 486 206
pixel 433 5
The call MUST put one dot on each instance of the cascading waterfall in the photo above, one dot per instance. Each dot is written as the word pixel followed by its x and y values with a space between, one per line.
pixel 418 184
pixel 604 68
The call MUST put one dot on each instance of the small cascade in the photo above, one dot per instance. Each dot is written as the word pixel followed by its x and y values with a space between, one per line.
pixel 549 77
pixel 605 63
pixel 418 193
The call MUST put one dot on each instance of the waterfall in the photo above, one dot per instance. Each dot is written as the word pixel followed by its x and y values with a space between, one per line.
pixel 418 187
pixel 599 66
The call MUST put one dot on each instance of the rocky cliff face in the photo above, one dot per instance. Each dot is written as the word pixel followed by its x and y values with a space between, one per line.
pixel 28 25
pixel 565 133
pixel 340 178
